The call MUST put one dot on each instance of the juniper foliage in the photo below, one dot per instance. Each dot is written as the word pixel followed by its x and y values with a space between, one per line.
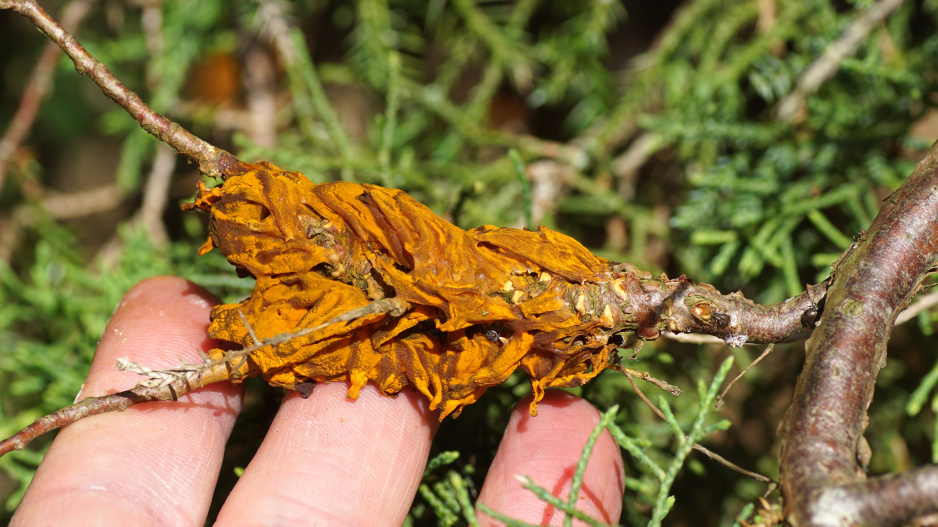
pixel 650 134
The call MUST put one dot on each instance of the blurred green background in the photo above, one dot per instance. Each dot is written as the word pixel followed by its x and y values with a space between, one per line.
pixel 654 133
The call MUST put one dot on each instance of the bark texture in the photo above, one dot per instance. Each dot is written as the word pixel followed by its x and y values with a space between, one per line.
pixel 823 448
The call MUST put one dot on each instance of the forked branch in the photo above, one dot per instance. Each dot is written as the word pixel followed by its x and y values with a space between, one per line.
pixel 822 481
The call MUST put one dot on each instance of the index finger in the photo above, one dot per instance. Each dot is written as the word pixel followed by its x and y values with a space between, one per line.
pixel 331 460
pixel 154 463
pixel 547 449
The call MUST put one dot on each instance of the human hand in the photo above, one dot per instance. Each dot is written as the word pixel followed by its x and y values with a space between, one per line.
pixel 326 460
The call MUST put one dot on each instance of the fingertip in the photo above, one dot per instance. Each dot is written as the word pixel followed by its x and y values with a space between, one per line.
pixel 332 460
pixel 154 463
pixel 158 323
pixel 547 449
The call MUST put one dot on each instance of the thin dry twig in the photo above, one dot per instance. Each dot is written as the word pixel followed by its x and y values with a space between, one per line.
pixel 222 119
pixel 259 86
pixel 38 86
pixel 922 303
pixel 548 179
pixel 151 18
pixel 156 195
pixel 645 376
pixel 768 14
pixel 58 207
pixel 825 66
pixel 272 16
pixel 626 166
pixel 694 338
pixel 80 204
pixel 768 349
pixel 212 161
pixel 697 446
pixel 169 389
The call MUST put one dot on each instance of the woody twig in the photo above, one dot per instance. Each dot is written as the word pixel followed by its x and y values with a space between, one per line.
pixel 211 161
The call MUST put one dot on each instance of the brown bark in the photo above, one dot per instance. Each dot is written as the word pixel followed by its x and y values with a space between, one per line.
pixel 162 386
pixel 822 481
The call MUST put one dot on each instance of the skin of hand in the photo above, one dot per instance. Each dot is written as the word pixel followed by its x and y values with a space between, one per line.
pixel 326 460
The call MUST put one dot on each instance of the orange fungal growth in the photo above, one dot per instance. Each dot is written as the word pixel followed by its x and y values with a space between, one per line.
pixel 377 288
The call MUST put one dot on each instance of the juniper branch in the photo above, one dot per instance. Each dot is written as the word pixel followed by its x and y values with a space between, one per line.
pixel 634 301
pixel 822 482
pixel 834 55
pixel 697 446
pixel 168 389
pixel 39 82
pixel 212 161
